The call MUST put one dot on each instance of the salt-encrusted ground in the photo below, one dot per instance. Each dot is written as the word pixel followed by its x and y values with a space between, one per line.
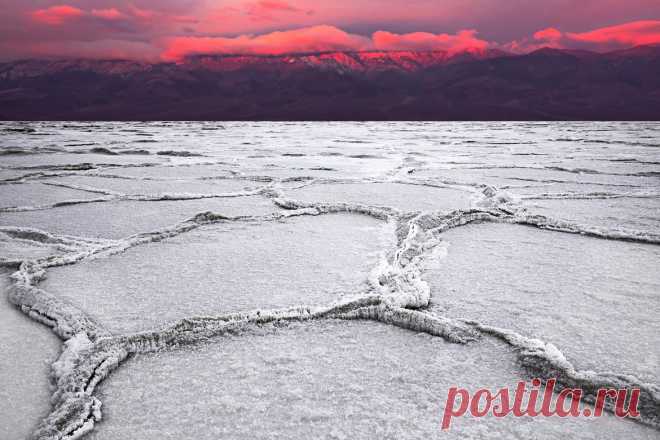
pixel 323 280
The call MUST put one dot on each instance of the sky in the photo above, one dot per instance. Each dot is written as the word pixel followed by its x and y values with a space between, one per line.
pixel 169 30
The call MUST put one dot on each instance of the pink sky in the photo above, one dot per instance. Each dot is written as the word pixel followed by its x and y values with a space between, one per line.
pixel 171 29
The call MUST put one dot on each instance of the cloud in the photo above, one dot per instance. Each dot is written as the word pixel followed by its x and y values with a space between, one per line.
pixel 548 37
pixel 268 8
pixel 635 33
pixel 261 13
pixel 312 39
pixel 275 5
pixel 329 38
pixel 320 39
pixel 548 34
pixel 107 14
pixel 143 14
pixel 56 15
pixel 158 18
pixel 176 28
pixel 112 23
pixel 59 15
pixel 463 40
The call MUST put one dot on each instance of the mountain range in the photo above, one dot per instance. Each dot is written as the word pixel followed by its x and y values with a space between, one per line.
pixel 548 84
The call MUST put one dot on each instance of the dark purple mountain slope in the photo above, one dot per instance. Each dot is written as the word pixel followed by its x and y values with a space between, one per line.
pixel 548 84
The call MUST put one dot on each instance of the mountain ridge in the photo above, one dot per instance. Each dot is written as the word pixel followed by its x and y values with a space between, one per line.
pixel 372 85
pixel 361 61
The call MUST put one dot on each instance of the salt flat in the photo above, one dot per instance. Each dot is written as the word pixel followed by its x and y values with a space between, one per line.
pixel 226 268
pixel 326 380
pixel 596 300
pixel 27 350
pixel 327 280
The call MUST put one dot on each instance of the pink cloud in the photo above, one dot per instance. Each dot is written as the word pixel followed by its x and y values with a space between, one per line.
pixel 548 37
pixel 275 5
pixel 176 28
pixel 56 15
pixel 549 34
pixel 635 33
pixel 463 40
pixel 624 35
pixel 107 14
pixel 145 20
pixel 160 18
pixel 143 14
pixel 269 10
pixel 320 39
pixel 311 39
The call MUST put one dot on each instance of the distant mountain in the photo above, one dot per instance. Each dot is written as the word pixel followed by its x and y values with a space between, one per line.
pixel 339 62
pixel 547 84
